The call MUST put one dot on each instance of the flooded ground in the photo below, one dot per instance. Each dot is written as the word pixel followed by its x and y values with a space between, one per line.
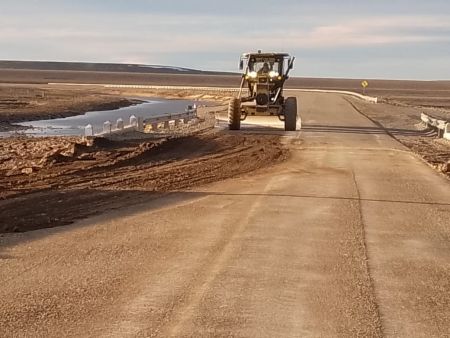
pixel 74 125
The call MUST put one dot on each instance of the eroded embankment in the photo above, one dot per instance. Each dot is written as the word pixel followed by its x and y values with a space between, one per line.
pixel 53 181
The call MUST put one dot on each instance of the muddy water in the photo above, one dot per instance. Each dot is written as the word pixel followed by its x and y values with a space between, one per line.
pixel 74 125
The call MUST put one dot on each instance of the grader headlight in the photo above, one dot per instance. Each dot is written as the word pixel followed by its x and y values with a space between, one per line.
pixel 251 75
pixel 274 74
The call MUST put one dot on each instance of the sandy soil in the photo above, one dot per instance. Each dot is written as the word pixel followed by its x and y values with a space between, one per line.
pixel 403 123
pixel 417 93
pixel 50 180
pixel 348 238
pixel 60 179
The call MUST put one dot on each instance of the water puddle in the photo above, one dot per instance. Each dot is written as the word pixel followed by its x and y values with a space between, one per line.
pixel 74 125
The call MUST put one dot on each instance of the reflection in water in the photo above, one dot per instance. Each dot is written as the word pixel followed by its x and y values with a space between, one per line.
pixel 74 125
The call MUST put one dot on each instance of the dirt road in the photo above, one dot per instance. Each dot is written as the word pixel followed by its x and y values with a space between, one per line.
pixel 348 237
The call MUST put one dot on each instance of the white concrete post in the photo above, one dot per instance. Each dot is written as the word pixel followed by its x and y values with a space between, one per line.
pixel 119 124
pixel 447 131
pixel 107 127
pixel 140 123
pixel 424 119
pixel 88 130
pixel 133 121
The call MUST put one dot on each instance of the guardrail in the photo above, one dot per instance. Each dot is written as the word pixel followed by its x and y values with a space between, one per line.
pixel 217 89
pixel 344 92
pixel 156 123
pixel 441 126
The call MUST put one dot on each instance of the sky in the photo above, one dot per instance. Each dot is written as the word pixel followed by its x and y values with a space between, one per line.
pixel 393 39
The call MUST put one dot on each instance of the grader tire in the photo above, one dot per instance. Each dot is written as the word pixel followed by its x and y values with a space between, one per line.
pixel 290 114
pixel 234 114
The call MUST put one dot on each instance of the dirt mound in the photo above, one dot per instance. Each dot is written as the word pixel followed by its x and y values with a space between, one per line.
pixel 53 181
pixel 28 154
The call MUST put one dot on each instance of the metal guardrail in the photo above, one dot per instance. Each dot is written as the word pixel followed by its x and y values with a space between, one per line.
pixel 441 126
pixel 159 122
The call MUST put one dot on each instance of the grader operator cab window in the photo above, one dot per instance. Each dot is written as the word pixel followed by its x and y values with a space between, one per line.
pixel 265 67
pixel 268 67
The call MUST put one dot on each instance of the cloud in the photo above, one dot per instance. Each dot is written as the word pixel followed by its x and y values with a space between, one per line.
pixel 210 40
pixel 176 33
pixel 381 31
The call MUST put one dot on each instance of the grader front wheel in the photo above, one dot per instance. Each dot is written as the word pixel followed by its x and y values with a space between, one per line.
pixel 234 114
pixel 290 114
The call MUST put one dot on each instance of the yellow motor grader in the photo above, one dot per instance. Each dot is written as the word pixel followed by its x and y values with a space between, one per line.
pixel 264 75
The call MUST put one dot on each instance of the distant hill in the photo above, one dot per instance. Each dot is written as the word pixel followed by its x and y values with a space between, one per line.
pixel 103 67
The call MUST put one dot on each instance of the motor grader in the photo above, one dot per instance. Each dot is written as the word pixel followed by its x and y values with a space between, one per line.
pixel 263 78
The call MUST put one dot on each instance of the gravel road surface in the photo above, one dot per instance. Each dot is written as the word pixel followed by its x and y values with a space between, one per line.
pixel 348 237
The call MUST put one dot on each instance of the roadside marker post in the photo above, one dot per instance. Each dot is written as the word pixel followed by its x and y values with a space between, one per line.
pixel 364 84
pixel 140 124
pixel 88 130
pixel 447 131
pixel 119 124
pixel 107 127
pixel 134 122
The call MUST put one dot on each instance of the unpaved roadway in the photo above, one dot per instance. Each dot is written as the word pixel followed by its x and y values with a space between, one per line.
pixel 349 237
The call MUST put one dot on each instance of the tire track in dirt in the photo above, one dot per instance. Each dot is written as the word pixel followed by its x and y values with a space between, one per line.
pixel 369 282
